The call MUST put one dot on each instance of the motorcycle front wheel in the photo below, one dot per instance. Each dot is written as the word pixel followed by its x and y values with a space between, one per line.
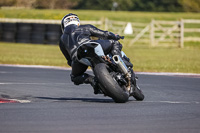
pixel 138 94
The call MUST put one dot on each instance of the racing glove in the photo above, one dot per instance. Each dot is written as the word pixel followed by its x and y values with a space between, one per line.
pixel 110 35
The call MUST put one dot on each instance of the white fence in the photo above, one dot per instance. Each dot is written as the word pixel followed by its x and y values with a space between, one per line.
pixel 155 33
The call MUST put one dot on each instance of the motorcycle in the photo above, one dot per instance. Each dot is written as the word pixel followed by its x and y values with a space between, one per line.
pixel 114 78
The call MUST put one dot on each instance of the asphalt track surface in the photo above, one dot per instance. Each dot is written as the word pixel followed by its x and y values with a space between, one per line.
pixel 52 104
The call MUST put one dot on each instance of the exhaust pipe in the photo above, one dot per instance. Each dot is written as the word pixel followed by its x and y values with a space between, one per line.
pixel 118 60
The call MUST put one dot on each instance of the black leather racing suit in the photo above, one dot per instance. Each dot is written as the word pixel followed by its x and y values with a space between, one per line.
pixel 74 36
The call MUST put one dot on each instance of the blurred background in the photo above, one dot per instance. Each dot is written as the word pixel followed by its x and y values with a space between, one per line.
pixel 122 5
pixel 160 35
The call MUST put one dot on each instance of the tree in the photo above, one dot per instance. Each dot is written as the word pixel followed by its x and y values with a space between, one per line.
pixel 7 2
pixel 125 5
pixel 94 4
pixel 25 3
pixel 54 4
pixel 190 5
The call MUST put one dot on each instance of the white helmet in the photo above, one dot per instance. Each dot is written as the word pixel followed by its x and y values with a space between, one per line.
pixel 68 20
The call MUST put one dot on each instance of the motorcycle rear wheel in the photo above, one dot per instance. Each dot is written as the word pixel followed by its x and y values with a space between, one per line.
pixel 109 85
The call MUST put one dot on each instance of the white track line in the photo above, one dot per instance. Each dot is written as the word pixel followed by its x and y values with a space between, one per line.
pixel 65 68
pixel 36 66
pixel 20 101
pixel 174 102
pixel 169 74
pixel 12 83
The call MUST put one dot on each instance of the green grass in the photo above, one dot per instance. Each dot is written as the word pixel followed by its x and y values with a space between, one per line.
pixel 95 15
pixel 165 60
pixel 144 58
pixel 30 54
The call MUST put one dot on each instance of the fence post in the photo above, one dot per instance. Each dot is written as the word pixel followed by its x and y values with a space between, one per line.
pixel 152 31
pixel 182 33
pixel 106 23
pixel 102 23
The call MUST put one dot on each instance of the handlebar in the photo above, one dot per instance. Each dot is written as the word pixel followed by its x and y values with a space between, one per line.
pixel 121 37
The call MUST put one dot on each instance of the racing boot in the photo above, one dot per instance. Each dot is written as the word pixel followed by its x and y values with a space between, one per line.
pixel 87 79
pixel 93 82
pixel 80 79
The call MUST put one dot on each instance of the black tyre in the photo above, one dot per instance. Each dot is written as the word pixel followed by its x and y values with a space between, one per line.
pixel 8 36
pixel 138 94
pixel 53 33
pixel 24 27
pixel 9 27
pixel 53 27
pixel 109 85
pixel 38 37
pixel 52 37
pixel 8 32
pixel 23 37
pixel 1 31
pixel 38 27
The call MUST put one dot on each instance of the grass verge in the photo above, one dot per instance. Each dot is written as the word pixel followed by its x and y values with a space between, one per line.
pixel 31 54
pixel 96 15
pixel 144 58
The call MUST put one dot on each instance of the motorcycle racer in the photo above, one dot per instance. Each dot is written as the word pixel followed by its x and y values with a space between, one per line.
pixel 75 35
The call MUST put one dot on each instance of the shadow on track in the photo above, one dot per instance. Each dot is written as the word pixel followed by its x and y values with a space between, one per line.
pixel 78 99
